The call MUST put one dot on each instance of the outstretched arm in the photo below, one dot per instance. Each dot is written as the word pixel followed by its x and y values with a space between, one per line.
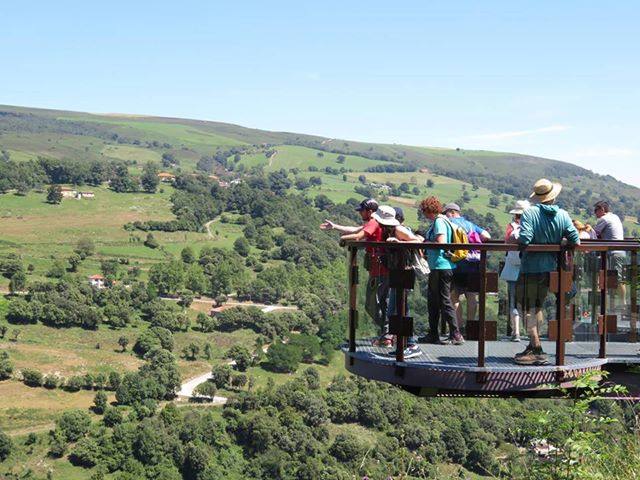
pixel 354 236
pixel 329 225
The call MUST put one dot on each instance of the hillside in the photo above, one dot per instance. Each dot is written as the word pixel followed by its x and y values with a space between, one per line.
pixel 86 136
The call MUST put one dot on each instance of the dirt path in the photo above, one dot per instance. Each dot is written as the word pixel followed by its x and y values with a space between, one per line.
pixel 207 227
pixel 45 427
pixel 187 388
pixel 275 152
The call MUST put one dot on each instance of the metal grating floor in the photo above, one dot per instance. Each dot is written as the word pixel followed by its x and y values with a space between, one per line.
pixel 499 355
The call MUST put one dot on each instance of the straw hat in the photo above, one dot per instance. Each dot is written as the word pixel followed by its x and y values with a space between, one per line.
pixel 386 215
pixel 520 207
pixel 545 190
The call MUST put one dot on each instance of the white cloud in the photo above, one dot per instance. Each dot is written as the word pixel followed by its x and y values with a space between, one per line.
pixel 517 133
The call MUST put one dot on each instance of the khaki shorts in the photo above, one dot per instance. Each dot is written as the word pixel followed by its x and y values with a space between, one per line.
pixel 532 289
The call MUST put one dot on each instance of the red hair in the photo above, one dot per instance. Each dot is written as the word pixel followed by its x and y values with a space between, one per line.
pixel 431 205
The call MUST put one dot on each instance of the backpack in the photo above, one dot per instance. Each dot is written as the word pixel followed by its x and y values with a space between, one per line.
pixel 474 255
pixel 458 235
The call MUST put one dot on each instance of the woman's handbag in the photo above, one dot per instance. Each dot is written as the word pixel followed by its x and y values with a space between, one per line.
pixel 420 265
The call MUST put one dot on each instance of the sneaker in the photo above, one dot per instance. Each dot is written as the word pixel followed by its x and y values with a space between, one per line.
pixel 525 352
pixel 535 357
pixel 410 352
pixel 457 338
pixel 515 338
pixel 385 341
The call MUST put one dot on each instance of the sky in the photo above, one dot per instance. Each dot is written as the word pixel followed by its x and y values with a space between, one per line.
pixel 548 78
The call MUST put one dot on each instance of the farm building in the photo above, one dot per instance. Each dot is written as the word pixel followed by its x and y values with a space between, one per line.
pixel 68 192
pixel 166 177
pixel 96 281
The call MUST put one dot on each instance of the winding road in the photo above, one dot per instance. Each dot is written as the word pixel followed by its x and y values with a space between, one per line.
pixel 187 388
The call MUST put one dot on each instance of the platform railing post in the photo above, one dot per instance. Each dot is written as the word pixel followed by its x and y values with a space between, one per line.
pixel 482 301
pixel 561 309
pixel 401 311
pixel 353 296
pixel 603 305
pixel 633 284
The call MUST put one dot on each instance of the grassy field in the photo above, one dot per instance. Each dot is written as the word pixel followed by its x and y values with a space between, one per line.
pixel 291 156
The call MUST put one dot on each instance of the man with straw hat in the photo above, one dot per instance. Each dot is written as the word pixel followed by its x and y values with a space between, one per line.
pixel 543 223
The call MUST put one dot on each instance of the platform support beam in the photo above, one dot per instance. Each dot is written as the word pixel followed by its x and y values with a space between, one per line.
pixel 401 310
pixel 561 308
pixel 603 305
pixel 633 283
pixel 353 296
pixel 482 304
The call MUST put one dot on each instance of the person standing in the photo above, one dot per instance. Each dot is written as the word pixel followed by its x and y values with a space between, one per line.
pixel 378 283
pixel 609 227
pixel 465 269
pixel 543 223
pixel 441 276
pixel 511 270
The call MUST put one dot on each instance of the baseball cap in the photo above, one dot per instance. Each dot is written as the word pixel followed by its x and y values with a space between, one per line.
pixel 451 206
pixel 399 214
pixel 368 204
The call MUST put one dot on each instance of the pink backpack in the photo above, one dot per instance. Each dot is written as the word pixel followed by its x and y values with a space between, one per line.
pixel 474 255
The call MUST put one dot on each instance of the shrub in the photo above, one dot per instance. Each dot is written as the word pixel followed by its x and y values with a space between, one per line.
pixel 6 367
pixel 32 378
pixel 284 358
pixel 6 446
pixel 206 389
pixel 74 424
pixel 51 382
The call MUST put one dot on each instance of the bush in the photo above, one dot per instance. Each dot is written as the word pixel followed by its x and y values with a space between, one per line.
pixel 284 358
pixel 86 453
pixel 32 378
pixel 347 448
pixel 112 416
pixel 74 424
pixel 51 382
pixel 100 402
pixel 309 344
pixel 6 367
pixel 221 376
pixel 6 446
pixel 206 389
pixel 74 384
pixel 241 355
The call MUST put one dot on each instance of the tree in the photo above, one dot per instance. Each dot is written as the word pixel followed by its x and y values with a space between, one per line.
pixel 74 262
pixel 86 453
pixel 6 446
pixel 100 402
pixel 3 330
pixel 187 254
pixel 341 159
pixel 206 389
pixel 18 282
pixel 85 248
pixel 123 342
pixel 54 194
pixel 114 380
pixel 430 183
pixel 169 159
pixel 74 424
pixel 151 241
pixel 112 416
pixel 241 356
pixel 167 277
pixel 50 382
pixel 207 351
pixel 6 367
pixel 323 202
pixel 191 351
pixel 56 270
pixel 221 376
pixel 241 245
pixel 195 279
pixel 284 358
pixel 309 345
pixel 149 179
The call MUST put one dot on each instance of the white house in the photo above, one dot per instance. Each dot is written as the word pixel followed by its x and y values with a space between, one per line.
pixel 96 281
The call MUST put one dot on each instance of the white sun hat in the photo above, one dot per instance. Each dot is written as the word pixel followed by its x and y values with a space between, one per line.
pixel 520 207
pixel 386 215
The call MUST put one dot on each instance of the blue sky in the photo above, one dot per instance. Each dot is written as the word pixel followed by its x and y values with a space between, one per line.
pixel 557 79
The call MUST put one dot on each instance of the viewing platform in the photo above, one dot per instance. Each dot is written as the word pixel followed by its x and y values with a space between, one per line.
pixel 590 327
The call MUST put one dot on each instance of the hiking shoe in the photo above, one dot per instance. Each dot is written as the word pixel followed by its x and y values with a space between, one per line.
pixel 385 341
pixel 431 339
pixel 525 352
pixel 410 352
pixel 515 338
pixel 535 357
pixel 456 338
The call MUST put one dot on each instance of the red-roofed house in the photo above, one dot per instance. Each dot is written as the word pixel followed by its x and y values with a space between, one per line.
pixel 96 281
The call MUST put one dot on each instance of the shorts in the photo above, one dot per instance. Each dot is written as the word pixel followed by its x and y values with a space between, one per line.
pixel 465 282
pixel 616 261
pixel 532 289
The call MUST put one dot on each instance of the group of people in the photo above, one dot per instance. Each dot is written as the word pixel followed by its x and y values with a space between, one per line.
pixel 535 221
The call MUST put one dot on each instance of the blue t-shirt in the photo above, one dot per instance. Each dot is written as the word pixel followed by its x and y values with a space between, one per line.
pixel 436 257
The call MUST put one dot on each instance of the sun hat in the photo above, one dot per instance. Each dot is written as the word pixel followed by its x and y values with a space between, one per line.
pixel 368 204
pixel 520 207
pixel 386 215
pixel 451 206
pixel 545 190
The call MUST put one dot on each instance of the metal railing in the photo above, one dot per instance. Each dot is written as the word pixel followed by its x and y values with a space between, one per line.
pixel 559 281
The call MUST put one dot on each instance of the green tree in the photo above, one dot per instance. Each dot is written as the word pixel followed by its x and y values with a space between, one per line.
pixel 100 402
pixel 167 278
pixel 206 389
pixel 85 248
pixel 74 424
pixel 188 255
pixel 241 245
pixel 151 241
pixel 149 179
pixel 56 270
pixel 6 446
pixel 284 358
pixel 6 367
pixel 123 342
pixel 221 375
pixel 241 356
pixel 86 453
pixel 207 351
pixel 54 194
pixel 32 377
pixel 18 282
pixel 74 261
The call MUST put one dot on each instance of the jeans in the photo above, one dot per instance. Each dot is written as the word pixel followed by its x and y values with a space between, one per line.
pixel 392 310
pixel 440 301
pixel 512 296
pixel 376 301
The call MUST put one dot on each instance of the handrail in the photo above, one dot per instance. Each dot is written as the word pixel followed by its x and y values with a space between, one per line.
pixel 601 246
